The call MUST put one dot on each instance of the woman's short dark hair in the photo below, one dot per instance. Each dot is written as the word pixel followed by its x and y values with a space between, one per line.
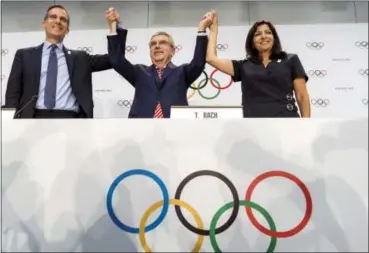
pixel 253 53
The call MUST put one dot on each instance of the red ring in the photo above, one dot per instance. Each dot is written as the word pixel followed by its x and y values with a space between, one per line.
pixel 299 183
pixel 215 86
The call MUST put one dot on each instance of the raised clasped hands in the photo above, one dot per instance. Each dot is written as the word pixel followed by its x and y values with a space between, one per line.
pixel 112 16
pixel 206 21
pixel 214 24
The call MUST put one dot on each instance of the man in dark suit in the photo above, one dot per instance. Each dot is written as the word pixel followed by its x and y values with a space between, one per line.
pixel 51 81
pixel 163 84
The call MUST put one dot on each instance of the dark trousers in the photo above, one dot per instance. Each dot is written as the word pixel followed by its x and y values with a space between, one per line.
pixel 55 114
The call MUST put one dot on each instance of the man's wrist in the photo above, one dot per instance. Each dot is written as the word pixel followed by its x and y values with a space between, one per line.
pixel 202 28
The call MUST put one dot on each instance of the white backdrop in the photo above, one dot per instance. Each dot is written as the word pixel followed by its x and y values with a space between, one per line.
pixel 334 56
pixel 57 202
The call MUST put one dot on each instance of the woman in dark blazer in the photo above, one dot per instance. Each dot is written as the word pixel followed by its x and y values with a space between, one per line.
pixel 272 81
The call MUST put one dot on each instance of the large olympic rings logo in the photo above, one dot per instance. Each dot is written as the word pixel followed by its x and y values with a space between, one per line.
pixel 214 82
pixel 213 231
pixel 318 73
pixel 364 72
pixel 131 49
pixel 319 102
pixel 125 103
pixel 315 45
pixel 222 47
pixel 362 44
pixel 86 49
pixel 4 52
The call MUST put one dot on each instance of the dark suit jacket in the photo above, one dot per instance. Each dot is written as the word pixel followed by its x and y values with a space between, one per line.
pixel 24 79
pixel 149 90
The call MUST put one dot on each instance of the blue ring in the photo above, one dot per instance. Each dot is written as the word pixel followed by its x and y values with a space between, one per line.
pixel 109 200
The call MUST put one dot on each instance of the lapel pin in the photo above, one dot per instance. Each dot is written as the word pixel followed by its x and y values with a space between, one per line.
pixel 69 52
pixel 279 60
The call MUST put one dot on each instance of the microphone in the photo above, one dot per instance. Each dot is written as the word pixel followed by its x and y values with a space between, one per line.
pixel 17 113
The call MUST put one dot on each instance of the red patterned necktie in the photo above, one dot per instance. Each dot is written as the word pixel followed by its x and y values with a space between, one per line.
pixel 158 110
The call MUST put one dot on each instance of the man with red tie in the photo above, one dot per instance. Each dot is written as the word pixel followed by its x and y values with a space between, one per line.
pixel 163 84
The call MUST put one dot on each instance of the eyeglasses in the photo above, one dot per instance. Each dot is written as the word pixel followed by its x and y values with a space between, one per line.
pixel 159 43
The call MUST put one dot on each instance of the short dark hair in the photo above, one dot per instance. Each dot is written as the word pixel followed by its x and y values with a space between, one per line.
pixel 56 6
pixel 252 52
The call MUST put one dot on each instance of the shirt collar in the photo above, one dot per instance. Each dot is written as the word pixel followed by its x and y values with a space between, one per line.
pixel 157 68
pixel 48 44
pixel 169 64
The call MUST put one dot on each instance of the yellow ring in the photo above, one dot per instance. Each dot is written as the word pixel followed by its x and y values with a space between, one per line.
pixel 193 92
pixel 175 202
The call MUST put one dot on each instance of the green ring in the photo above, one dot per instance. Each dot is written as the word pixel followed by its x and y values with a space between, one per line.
pixel 223 209
pixel 216 94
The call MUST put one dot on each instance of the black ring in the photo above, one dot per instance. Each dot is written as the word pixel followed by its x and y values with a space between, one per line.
pixel 236 202
pixel 205 83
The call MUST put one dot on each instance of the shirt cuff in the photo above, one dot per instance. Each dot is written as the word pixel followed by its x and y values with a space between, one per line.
pixel 119 26
pixel 202 34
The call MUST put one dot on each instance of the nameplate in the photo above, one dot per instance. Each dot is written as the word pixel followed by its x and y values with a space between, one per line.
pixel 206 112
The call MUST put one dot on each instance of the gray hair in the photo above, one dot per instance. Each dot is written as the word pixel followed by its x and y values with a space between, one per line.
pixel 170 38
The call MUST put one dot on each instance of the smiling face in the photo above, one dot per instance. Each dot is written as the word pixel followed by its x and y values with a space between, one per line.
pixel 263 38
pixel 56 24
pixel 161 48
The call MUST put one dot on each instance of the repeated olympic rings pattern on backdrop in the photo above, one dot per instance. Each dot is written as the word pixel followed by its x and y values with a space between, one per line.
pixel 222 47
pixel 4 51
pixel 320 102
pixel 317 73
pixel 86 49
pixel 364 72
pixel 203 82
pixel 125 103
pixel 3 77
pixel 362 44
pixel 213 230
pixel 131 49
pixel 178 48
pixel 315 45
pixel 365 101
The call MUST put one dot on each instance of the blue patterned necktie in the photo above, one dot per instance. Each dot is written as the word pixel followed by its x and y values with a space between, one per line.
pixel 51 79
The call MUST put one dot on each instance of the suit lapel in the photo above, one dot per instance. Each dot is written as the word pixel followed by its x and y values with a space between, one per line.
pixel 167 71
pixel 36 58
pixel 154 73
pixel 69 57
